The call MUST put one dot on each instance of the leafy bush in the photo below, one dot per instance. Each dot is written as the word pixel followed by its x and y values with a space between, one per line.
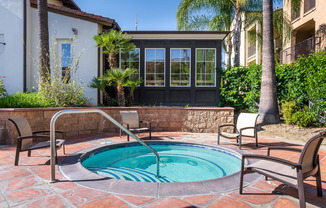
pixel 302 82
pixel 24 100
pixel 304 118
pixel 288 109
pixel 62 89
pixel 240 87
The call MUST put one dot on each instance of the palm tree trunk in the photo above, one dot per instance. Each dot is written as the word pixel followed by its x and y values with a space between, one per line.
pixel 229 51
pixel 44 54
pixel 121 95
pixel 236 37
pixel 112 59
pixel 268 108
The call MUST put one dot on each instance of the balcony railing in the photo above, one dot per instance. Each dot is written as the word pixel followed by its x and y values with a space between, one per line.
pixel 309 5
pixel 251 50
pixel 303 48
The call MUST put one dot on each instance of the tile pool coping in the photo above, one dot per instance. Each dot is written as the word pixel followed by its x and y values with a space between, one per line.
pixel 72 169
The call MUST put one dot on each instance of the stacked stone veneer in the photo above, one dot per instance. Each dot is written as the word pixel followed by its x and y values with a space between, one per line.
pixel 201 120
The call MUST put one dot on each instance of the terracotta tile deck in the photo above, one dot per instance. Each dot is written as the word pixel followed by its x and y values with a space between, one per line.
pixel 27 185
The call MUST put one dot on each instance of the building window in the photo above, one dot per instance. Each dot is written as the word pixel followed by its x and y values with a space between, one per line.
pixel 180 67
pixel 131 60
pixel 295 13
pixel 309 5
pixel 205 67
pixel 66 61
pixel 155 67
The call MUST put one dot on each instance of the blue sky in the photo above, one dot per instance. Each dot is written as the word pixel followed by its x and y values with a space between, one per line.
pixel 152 14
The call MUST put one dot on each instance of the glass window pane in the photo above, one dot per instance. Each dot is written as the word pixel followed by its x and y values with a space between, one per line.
pixel 175 67
pixel 210 79
pixel 210 55
pixel 159 79
pixel 185 67
pixel 185 80
pixel 149 79
pixel 210 67
pixel 185 54
pixel 175 55
pixel 160 67
pixel 180 65
pixel 150 54
pixel 150 67
pixel 66 50
pixel 200 55
pixel 160 56
pixel 205 67
pixel 155 63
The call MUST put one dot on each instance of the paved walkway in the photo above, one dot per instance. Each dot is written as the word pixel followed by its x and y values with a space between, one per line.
pixel 27 185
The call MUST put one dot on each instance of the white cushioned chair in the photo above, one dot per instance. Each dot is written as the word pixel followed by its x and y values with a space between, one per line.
pixel 246 126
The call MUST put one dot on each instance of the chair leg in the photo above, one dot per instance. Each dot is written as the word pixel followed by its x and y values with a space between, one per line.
pixel 150 134
pixel 128 137
pixel 301 190
pixel 241 177
pixel 17 157
pixel 63 148
pixel 318 182
pixel 240 138
pixel 29 153
pixel 256 139
pixel 218 139
pixel 120 133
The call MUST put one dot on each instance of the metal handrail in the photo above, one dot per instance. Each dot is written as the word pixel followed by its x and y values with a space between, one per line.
pixel 75 111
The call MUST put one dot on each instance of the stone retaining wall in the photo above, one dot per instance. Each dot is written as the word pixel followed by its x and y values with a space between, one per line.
pixel 201 120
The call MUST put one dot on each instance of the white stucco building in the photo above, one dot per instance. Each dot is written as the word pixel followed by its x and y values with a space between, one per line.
pixel 19 41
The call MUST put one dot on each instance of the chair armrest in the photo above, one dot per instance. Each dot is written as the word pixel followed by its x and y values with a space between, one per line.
pixel 147 122
pixel 47 131
pixel 225 125
pixel 283 148
pixel 275 159
pixel 33 136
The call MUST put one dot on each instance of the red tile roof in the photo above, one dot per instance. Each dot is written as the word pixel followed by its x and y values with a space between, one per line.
pixel 78 14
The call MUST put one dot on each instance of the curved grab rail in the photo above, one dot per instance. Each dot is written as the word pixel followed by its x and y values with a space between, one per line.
pixel 75 111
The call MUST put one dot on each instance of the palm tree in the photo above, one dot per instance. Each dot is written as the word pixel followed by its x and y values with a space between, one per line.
pixel 44 56
pixel 119 78
pixel 268 108
pixel 113 43
pixel 101 85
pixel 132 86
pixel 220 14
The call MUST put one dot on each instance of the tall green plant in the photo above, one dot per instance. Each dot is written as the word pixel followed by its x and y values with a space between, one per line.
pixel 132 84
pixel 113 43
pixel 101 85
pixel 119 78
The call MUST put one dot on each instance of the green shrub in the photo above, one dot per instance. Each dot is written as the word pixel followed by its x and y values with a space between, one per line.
pixel 288 109
pixel 302 82
pixel 24 100
pixel 304 118
pixel 240 87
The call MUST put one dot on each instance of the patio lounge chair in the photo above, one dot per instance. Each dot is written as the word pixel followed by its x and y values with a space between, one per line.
pixel 130 120
pixel 26 136
pixel 288 172
pixel 246 126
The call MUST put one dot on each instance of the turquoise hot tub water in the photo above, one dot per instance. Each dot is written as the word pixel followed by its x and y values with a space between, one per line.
pixel 178 162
